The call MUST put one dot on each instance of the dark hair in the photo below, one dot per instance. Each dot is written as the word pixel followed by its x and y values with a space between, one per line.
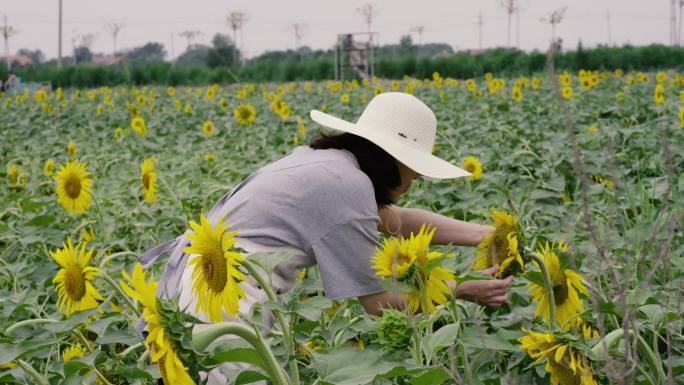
pixel 375 162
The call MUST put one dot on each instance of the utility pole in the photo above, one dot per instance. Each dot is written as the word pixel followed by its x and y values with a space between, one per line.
pixel 420 30
pixel 236 20
pixel 367 11
pixel 298 30
pixel 7 32
pixel 555 18
pixel 480 23
pixel 190 37
pixel 172 54
pixel 510 7
pixel 679 29
pixel 59 36
pixel 517 26
pixel 673 22
pixel 610 37
pixel 113 29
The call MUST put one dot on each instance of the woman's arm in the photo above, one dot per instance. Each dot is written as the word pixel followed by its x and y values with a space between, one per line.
pixel 404 221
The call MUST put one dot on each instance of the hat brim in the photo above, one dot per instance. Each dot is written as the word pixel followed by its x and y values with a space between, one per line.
pixel 417 160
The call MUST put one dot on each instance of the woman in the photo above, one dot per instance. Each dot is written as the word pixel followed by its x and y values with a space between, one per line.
pixel 326 203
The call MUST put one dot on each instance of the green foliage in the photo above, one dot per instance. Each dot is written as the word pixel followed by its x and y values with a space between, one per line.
pixel 393 330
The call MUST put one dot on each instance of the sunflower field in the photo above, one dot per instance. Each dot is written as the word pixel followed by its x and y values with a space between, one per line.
pixel 580 174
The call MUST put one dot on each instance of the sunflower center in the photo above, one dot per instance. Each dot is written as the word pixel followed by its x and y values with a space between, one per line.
pixel 74 282
pixel 146 181
pixel 500 242
pixel 72 186
pixel 214 269
pixel 245 114
pixel 470 167
pixel 560 291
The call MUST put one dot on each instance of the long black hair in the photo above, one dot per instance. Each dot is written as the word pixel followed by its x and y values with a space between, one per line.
pixel 375 162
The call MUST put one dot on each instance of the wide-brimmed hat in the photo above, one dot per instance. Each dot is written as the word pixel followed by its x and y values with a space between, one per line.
pixel 403 126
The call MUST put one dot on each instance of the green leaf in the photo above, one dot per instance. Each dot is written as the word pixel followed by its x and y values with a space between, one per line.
pixel 536 277
pixel 432 376
pixel 269 260
pixel 475 338
pixel 311 308
pixel 474 276
pixel 12 351
pixel 349 366
pixel 234 350
pixel 69 324
pixel 443 337
pixel 249 377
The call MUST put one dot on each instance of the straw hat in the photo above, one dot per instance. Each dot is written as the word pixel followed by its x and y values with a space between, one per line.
pixel 403 126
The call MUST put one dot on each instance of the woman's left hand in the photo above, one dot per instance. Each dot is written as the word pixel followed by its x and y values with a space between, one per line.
pixel 493 292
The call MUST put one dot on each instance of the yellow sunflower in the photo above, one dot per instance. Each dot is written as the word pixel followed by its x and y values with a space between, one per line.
pixel 209 156
pixel 73 187
pixel 565 364
pixel 473 166
pixel 71 352
pixel 162 350
pixel 49 167
pixel 406 260
pixel 138 125
pixel 87 235
pixel 567 92
pixel 659 94
pixel 245 114
pixel 148 177
pixel 208 128
pixel 71 148
pixel 13 173
pixel 72 281
pixel 215 275
pixel 501 246
pixel 566 285
pixel 516 94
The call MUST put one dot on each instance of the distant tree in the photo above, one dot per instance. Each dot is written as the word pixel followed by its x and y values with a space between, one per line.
pixel 83 55
pixel 195 55
pixel 223 52
pixel 36 56
pixel 146 53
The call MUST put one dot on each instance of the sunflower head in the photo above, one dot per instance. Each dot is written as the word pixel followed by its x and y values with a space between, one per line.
pixel 502 247
pixel 215 272
pixel 567 286
pixel 71 352
pixel 566 364
pixel 473 166
pixel 73 187
pixel 138 125
pixel 49 167
pixel 71 148
pixel 148 178
pixel 73 281
pixel 245 114
pixel 393 330
pixel 13 173
pixel 208 128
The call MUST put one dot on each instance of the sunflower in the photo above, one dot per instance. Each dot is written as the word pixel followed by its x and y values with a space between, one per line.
pixel 659 94
pixel 501 246
pixel 567 92
pixel 473 166
pixel 138 125
pixel 566 285
pixel 87 235
pixel 565 364
pixel 49 167
pixel 209 156
pixel 517 94
pixel 409 261
pixel 73 187
pixel 71 148
pixel 245 114
pixel 158 341
pixel 344 98
pixel 215 275
pixel 13 173
pixel 72 281
pixel 71 352
pixel 208 128
pixel 148 177
pixel 681 117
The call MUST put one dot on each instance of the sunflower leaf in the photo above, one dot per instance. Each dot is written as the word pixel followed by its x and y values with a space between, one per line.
pixel 535 276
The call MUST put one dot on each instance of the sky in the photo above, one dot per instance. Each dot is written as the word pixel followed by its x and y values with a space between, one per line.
pixel 269 23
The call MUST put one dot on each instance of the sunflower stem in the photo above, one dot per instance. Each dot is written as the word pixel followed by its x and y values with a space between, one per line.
pixel 130 349
pixel 112 256
pixel 553 323
pixel 201 340
pixel 467 371
pixel 173 195
pixel 28 369
pixel 100 216
pixel 110 281
pixel 85 342
pixel 34 321
pixel 287 335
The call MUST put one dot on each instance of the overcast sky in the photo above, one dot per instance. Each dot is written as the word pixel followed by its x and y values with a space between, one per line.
pixel 268 26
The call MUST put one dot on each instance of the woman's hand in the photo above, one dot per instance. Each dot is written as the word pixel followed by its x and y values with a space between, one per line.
pixel 485 292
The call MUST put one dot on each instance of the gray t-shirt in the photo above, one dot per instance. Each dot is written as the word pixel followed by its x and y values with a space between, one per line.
pixel 317 201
